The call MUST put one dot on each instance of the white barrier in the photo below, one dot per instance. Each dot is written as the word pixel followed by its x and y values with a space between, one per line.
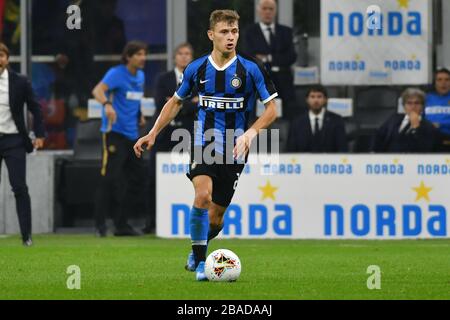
pixel 341 106
pixel 393 46
pixel 321 197
pixel 41 186
pixel 148 108
pixel 306 75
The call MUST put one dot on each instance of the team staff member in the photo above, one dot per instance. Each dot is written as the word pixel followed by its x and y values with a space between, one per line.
pixel 120 92
pixel 437 107
pixel 273 44
pixel 318 130
pixel 15 91
pixel 409 132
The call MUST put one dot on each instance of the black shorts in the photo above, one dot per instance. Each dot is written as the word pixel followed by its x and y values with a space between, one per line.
pixel 224 177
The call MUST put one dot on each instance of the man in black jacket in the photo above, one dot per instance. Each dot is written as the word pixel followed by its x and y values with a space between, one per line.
pixel 15 91
pixel 272 43
pixel 318 130
pixel 166 85
pixel 409 132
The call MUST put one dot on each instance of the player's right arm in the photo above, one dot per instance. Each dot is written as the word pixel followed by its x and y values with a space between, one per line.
pixel 168 113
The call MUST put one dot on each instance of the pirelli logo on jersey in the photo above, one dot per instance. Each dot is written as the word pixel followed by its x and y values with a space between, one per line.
pixel 221 103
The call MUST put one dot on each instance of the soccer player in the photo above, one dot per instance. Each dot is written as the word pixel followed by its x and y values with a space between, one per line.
pixel 227 84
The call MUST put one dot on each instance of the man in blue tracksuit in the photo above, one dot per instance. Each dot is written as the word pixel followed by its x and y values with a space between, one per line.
pixel 437 106
pixel 120 92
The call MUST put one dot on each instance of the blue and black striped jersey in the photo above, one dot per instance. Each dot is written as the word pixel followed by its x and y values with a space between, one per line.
pixel 227 95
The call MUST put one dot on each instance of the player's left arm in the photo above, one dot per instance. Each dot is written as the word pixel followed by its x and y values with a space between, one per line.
pixel 169 111
pixel 267 93
pixel 264 121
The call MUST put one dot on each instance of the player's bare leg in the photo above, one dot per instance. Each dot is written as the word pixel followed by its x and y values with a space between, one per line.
pixel 203 191
pixel 216 214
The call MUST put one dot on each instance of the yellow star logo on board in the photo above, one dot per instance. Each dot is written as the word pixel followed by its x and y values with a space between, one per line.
pixel 413 57
pixel 396 161
pixel 357 57
pixel 344 160
pixel 268 191
pixel 447 161
pixel 403 3
pixel 294 160
pixel 422 192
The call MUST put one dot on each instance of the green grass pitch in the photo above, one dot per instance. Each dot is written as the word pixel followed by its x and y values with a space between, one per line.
pixel 152 268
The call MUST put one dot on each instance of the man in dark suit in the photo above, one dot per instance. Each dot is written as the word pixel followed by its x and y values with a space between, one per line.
pixel 272 43
pixel 15 91
pixel 318 130
pixel 166 85
pixel 409 132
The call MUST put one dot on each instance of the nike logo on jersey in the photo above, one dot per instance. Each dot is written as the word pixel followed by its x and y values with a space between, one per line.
pixel 204 81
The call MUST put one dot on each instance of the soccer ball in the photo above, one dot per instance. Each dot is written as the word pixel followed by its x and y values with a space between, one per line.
pixel 222 265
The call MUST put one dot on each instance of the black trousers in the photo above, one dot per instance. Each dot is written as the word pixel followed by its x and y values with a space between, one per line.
pixel 13 152
pixel 121 183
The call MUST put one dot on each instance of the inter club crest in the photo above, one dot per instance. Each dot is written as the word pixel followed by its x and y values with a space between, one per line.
pixel 236 82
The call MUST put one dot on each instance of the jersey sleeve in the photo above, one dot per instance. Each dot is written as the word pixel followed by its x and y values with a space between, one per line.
pixel 187 83
pixel 112 79
pixel 264 85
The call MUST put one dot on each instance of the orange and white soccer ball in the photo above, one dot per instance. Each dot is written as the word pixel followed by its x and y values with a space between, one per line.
pixel 222 265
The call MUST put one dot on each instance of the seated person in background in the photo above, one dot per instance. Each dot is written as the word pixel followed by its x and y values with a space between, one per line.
pixel 317 130
pixel 408 132
pixel 437 107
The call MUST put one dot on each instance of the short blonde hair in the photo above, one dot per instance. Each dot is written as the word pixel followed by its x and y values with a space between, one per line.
pixel 217 16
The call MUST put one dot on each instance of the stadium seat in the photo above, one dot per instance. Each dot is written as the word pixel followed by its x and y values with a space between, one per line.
pixel 300 98
pixel 334 91
pixel 351 129
pixel 80 175
pixel 363 140
pixel 374 105
pixel 377 97
pixel 283 126
pixel 88 142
